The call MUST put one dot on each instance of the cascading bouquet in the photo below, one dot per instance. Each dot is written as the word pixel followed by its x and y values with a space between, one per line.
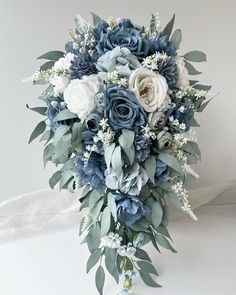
pixel 118 117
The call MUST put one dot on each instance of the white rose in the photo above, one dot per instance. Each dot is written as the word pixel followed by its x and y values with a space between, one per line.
pixel 60 83
pixel 79 95
pixel 183 80
pixel 150 89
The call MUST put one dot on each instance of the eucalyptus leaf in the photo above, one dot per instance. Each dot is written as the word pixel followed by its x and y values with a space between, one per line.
pixel 169 27
pixel 47 65
pixel 100 279
pixel 176 38
pixel 93 259
pixel 148 280
pixel 95 211
pixel 116 160
pixel 175 200
pixel 76 134
pixel 194 123
pixel 191 69
pixel 38 130
pixel 48 153
pixel 195 56
pixel 112 205
pixel 193 82
pixel 163 230
pixel 96 18
pixel 108 151
pixel 130 153
pixel 54 179
pixel 171 161
pixel 156 214
pixel 192 148
pixel 147 267
pixel 141 254
pixel 202 87
pixel 94 197
pixel 39 110
pixel 202 106
pixel 52 55
pixel 59 133
pixel 93 238
pixel 150 166
pixel 162 241
pixel 62 150
pixel 65 178
pixel 47 135
pixel 105 221
pixel 126 139
pixel 65 115
pixel 110 262
pixel 153 23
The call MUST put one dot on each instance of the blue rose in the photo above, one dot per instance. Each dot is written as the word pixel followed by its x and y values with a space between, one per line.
pixel 162 173
pixel 122 110
pixel 130 209
pixel 125 35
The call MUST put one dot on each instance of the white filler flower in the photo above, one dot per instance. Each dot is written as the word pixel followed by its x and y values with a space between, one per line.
pixel 183 79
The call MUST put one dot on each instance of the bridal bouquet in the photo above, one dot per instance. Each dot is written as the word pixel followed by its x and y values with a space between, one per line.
pixel 118 117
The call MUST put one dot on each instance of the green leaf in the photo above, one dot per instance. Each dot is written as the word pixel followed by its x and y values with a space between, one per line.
pixel 150 166
pixel 47 135
pixel 47 153
pixel 192 148
pixel 93 259
pixel 130 153
pixel 195 56
pixel 105 221
pixel 39 110
pixel 108 151
pixel 94 197
pixel 163 230
pixel 65 115
pixel 76 134
pixel 93 238
pixel 110 262
pixel 141 254
pixel 100 279
pixel 193 82
pixel 54 179
pixel 116 160
pixel 127 138
pixel 202 106
pixel 96 18
pixel 62 149
pixel 175 200
pixel 112 206
pixel 171 161
pixel 38 130
pixel 191 69
pixel 194 123
pixel 153 23
pixel 52 55
pixel 147 267
pixel 169 27
pixel 59 133
pixel 176 38
pixel 162 241
pixel 148 280
pixel 96 210
pixel 202 87
pixel 157 214
pixel 65 178
pixel 47 65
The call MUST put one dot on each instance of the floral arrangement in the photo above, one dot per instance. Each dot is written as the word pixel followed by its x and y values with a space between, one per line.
pixel 118 124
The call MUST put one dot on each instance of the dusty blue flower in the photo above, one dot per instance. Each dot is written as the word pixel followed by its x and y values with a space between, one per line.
pixel 168 69
pixel 164 140
pixel 142 147
pixel 92 121
pixel 83 65
pixel 122 110
pixel 162 172
pixel 130 208
pixel 160 43
pixel 125 35
pixel 184 117
pixel 91 171
pixel 87 140
pixel 120 59
pixel 53 108
pixel 100 28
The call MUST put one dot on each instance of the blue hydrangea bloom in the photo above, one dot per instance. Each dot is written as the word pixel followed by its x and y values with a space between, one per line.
pixel 184 117
pixel 161 43
pixel 125 35
pixel 52 110
pixel 130 208
pixel 83 65
pixel 69 48
pixel 91 171
pixel 142 147
pixel 168 69
pixel 162 172
pixel 122 109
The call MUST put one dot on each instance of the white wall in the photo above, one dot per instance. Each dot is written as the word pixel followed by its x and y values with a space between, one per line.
pixel 30 28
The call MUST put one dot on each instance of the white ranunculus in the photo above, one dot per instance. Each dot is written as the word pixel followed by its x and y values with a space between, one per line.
pixel 183 79
pixel 80 95
pixel 60 83
pixel 150 89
